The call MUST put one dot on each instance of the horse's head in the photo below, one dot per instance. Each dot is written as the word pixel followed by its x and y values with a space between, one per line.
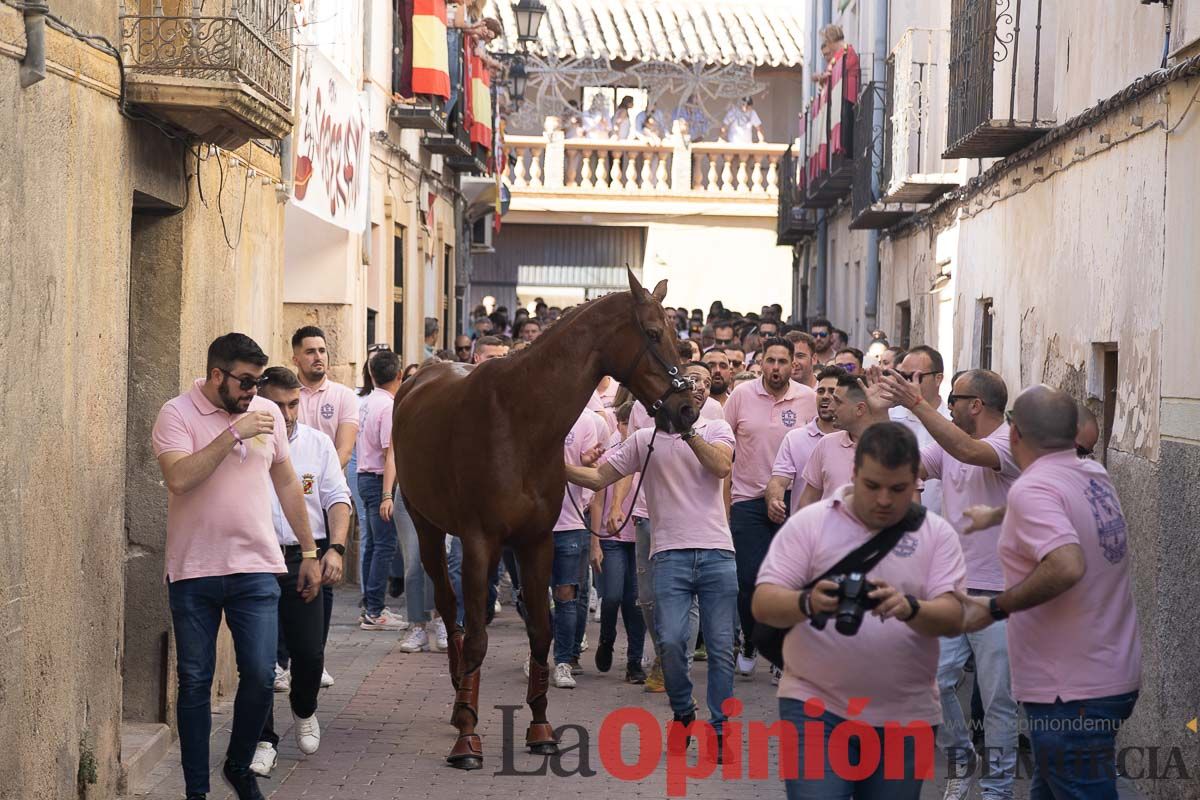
pixel 641 354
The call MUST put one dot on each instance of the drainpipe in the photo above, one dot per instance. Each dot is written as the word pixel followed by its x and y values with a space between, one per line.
pixel 819 278
pixel 33 65
pixel 879 12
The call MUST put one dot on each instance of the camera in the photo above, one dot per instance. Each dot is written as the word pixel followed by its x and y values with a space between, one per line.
pixel 853 599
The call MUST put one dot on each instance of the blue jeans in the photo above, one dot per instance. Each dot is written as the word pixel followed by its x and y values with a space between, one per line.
pixel 619 592
pixel 831 786
pixel 454 560
pixel 990 647
pixel 645 577
pixel 1074 747
pixel 418 589
pixel 752 534
pixel 250 603
pixel 380 544
pixel 360 511
pixel 711 577
pixel 570 548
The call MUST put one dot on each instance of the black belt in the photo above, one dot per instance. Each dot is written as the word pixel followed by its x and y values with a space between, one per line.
pixel 322 544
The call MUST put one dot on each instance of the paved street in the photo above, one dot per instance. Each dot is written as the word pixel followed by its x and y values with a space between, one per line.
pixel 385 729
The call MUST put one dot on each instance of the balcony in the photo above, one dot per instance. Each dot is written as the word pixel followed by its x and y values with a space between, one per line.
pixel 219 69
pixel 1001 77
pixel 422 112
pixel 918 72
pixel 795 222
pixel 829 134
pixel 868 210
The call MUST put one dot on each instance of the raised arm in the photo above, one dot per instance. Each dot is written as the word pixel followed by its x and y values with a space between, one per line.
pixel 953 440
pixel 717 459
pixel 592 477
pixel 183 472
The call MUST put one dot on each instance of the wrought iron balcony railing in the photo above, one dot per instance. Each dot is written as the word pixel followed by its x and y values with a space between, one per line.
pixel 795 222
pixel 915 134
pixel 1001 76
pixel 867 208
pixel 829 134
pixel 221 69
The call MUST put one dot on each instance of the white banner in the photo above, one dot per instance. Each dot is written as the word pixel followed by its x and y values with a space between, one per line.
pixel 332 143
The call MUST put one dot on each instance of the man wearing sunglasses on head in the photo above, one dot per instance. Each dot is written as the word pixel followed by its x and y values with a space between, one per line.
pixel 222 450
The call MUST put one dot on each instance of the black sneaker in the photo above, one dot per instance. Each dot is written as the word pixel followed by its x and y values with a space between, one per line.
pixel 635 674
pixel 576 667
pixel 197 796
pixel 395 587
pixel 674 740
pixel 604 656
pixel 242 781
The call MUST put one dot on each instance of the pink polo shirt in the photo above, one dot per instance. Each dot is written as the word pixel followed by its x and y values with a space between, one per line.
pixel 638 419
pixel 223 525
pixel 685 499
pixel 760 422
pixel 830 465
pixel 328 406
pixel 628 533
pixel 887 661
pixel 1084 643
pixel 375 436
pixel 963 486
pixel 583 436
pixel 793 456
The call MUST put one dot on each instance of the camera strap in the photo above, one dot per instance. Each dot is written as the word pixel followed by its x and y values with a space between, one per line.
pixel 867 555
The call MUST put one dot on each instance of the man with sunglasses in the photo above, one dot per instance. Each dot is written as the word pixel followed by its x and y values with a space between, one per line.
pixel 972 456
pixel 222 450
pixel 923 366
pixel 462 349
pixel 822 332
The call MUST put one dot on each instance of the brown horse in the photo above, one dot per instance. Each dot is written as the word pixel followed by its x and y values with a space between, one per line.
pixel 511 416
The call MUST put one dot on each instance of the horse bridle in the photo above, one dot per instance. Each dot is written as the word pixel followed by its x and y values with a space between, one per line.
pixel 678 383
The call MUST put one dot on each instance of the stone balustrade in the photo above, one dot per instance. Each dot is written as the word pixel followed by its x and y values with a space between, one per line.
pixel 674 167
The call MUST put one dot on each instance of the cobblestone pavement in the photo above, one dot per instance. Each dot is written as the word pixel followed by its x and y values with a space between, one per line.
pixel 385 729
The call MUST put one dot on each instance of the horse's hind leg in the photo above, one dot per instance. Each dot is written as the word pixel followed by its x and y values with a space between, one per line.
pixel 536 557
pixel 433 559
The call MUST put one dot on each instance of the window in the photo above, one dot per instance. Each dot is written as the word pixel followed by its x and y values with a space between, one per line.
pixel 986 313
pixel 447 277
pixel 371 315
pixel 1109 397
pixel 398 290
pixel 904 324
pixel 612 96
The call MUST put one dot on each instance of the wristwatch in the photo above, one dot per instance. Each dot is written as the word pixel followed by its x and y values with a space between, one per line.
pixel 913 604
pixel 998 613
pixel 688 434
pixel 340 549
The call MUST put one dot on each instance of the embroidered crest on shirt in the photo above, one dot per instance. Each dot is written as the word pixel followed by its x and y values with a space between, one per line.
pixel 570 439
pixel 906 546
pixel 1110 523
pixel 788 417
pixel 327 411
pixel 307 481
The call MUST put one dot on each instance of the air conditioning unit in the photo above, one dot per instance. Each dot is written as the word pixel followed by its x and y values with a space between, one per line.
pixel 481 234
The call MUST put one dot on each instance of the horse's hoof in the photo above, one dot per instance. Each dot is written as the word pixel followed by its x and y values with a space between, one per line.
pixel 466 763
pixel 544 749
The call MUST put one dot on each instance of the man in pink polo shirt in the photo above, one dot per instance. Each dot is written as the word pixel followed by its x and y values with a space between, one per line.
pixel 1073 635
pixel 972 458
pixel 831 464
pixel 760 413
pixel 798 446
pixel 692 555
pixel 325 405
pixel 885 673
pixel 221 449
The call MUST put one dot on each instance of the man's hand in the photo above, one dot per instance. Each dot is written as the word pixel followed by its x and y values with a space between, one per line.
pixel 254 424
pixel 824 598
pixel 597 555
pixel 873 387
pixel 777 510
pixel 898 391
pixel 982 517
pixel 590 457
pixel 892 602
pixel 308 582
pixel 331 568
pixel 615 520
pixel 976 614
pixel 386 507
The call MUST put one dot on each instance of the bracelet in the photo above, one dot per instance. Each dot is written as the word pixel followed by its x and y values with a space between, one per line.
pixel 308 553
pixel 386 500
pixel 234 434
pixel 806 603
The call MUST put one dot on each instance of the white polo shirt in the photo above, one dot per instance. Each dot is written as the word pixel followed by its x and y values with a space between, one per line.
pixel 316 463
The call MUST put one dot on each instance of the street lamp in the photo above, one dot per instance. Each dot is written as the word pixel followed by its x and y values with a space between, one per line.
pixel 519 78
pixel 529 15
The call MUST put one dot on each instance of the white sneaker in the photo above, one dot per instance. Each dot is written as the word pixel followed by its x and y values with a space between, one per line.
pixel 745 666
pixel 563 679
pixel 527 666
pixel 308 734
pixel 583 645
pixel 496 607
pixel 283 679
pixel 440 640
pixel 386 621
pixel 593 599
pixel 326 679
pixel 417 641
pixel 957 789
pixel 264 760
pixel 776 674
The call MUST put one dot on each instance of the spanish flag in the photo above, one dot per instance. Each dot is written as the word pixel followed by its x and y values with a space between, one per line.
pixel 430 63
pixel 481 99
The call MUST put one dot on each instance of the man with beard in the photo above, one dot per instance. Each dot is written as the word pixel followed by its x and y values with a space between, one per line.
pixel 222 449
pixel 325 405
pixel 803 358
pixel 973 457
pixel 462 349
pixel 798 446
pixel 831 464
pixel 761 414
pixel 822 332
pixel 692 554
pixel 718 364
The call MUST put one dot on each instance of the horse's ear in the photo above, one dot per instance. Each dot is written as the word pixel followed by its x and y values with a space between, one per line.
pixel 635 287
pixel 660 291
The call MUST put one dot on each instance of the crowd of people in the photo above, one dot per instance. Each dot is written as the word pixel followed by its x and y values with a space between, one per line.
pixel 990 539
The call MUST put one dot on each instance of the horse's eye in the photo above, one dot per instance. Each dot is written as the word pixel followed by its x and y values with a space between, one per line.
pixel 654 335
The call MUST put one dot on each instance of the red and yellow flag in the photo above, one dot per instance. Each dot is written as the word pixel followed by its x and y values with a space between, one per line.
pixel 430 61
pixel 481 100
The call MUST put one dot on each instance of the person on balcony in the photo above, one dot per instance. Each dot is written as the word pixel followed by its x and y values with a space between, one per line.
pixel 742 124
pixel 833 42
pixel 650 126
pixel 692 113
pixel 463 21
pixel 596 122
pixel 622 122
